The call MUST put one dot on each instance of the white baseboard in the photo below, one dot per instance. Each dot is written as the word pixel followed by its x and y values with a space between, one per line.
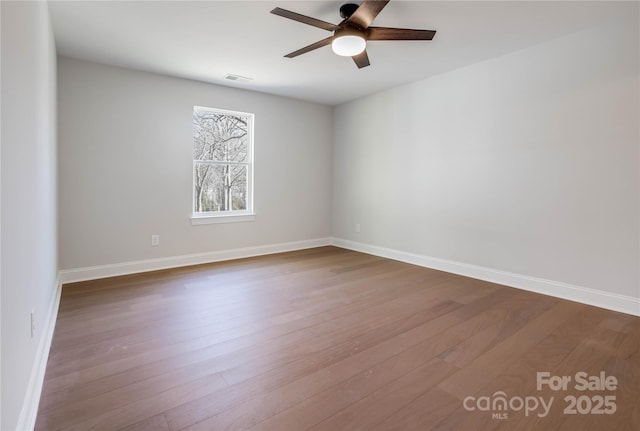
pixel 104 271
pixel 598 298
pixel 29 412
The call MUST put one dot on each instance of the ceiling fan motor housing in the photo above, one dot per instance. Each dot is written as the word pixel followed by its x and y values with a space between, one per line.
pixel 349 30
pixel 347 9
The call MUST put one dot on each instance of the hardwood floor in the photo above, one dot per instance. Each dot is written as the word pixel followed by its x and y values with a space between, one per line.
pixel 329 339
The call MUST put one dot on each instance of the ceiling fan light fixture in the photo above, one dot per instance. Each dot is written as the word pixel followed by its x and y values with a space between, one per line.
pixel 348 45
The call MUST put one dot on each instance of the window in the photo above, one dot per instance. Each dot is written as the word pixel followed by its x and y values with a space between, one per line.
pixel 222 166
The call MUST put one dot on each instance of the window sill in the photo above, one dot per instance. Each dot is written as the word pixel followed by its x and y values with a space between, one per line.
pixel 227 218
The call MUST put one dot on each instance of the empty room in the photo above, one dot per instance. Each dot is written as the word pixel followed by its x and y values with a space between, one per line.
pixel 320 215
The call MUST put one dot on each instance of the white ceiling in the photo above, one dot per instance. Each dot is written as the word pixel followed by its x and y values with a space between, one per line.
pixel 205 40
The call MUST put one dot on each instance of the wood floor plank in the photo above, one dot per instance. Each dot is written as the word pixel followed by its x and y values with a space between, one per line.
pixel 592 355
pixel 421 413
pixel 321 339
pixel 202 304
pixel 308 382
pixel 491 363
pixel 550 354
pixel 168 333
pixel 430 348
pixel 164 346
pixel 154 423
pixel 376 407
pixel 513 320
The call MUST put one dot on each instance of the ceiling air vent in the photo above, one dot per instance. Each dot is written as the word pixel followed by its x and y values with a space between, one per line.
pixel 237 78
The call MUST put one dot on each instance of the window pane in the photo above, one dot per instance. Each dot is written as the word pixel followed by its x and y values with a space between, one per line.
pixel 238 188
pixel 220 137
pixel 220 187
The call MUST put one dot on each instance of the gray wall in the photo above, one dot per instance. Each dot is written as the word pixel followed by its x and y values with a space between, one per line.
pixel 125 166
pixel 28 193
pixel 526 163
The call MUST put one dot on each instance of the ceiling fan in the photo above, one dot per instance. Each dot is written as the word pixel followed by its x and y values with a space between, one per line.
pixel 351 35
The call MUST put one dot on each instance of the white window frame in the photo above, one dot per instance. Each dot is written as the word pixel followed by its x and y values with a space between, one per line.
pixel 226 216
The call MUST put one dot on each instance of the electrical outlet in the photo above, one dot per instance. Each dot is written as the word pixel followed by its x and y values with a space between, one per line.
pixel 155 240
pixel 357 227
pixel 33 322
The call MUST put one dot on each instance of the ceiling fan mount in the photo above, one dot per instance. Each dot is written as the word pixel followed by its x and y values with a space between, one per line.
pixel 354 31
pixel 347 9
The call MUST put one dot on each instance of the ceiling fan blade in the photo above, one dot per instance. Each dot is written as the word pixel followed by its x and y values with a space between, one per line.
pixel 361 60
pixel 318 44
pixel 304 19
pixel 387 33
pixel 366 13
